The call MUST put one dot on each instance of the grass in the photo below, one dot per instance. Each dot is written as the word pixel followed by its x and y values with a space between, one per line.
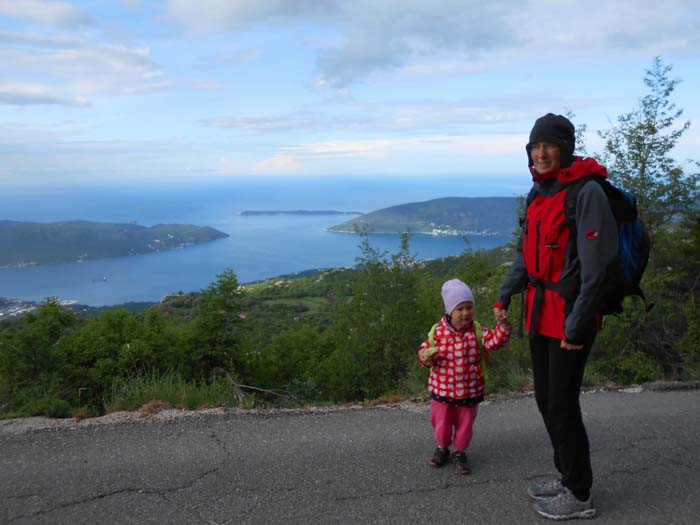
pixel 513 376
pixel 153 391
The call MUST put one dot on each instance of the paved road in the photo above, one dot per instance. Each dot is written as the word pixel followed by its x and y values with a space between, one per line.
pixel 349 466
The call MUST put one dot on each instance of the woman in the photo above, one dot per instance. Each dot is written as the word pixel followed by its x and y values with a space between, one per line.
pixel 562 265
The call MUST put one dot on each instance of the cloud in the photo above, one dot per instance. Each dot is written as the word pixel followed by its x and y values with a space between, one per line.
pixel 234 15
pixel 69 70
pixel 28 94
pixel 237 57
pixel 309 121
pixel 453 36
pixel 279 163
pixel 51 13
pixel 488 153
pixel 406 117
pixel 41 156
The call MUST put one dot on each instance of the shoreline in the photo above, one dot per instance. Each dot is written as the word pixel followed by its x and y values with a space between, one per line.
pixel 434 233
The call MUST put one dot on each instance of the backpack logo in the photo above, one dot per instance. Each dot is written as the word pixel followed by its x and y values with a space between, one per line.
pixel 591 235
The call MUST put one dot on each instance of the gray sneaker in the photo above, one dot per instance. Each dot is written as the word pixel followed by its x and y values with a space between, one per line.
pixel 565 506
pixel 545 490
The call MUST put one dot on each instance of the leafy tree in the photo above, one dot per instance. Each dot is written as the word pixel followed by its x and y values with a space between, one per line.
pixel 31 371
pixel 580 133
pixel 102 351
pixel 638 153
pixel 377 330
pixel 215 336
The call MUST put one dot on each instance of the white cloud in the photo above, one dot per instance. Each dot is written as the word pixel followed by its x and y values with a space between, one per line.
pixel 489 153
pixel 32 94
pixel 279 163
pixel 224 15
pixel 309 121
pixel 52 13
pixel 418 117
pixel 69 70
pixel 237 56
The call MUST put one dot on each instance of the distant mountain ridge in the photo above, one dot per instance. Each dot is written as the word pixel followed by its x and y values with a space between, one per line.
pixel 299 212
pixel 30 243
pixel 444 216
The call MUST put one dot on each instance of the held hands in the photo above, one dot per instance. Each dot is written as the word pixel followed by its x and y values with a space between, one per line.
pixel 500 314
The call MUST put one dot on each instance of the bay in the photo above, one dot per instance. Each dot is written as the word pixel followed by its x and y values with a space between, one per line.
pixel 258 247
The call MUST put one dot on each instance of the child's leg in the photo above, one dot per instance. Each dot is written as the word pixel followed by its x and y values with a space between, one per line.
pixel 441 417
pixel 464 425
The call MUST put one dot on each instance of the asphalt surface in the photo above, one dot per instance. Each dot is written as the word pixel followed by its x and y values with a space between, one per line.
pixel 349 466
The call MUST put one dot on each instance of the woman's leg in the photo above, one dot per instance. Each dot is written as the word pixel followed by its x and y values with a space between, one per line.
pixel 539 353
pixel 564 420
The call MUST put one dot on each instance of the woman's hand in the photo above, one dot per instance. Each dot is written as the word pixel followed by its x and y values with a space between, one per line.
pixel 566 345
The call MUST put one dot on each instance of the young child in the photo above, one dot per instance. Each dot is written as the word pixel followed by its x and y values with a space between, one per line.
pixel 456 381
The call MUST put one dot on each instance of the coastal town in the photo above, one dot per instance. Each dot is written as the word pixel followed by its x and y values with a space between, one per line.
pixel 15 307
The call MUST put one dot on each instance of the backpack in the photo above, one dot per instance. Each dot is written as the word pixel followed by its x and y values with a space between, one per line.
pixel 479 343
pixel 624 275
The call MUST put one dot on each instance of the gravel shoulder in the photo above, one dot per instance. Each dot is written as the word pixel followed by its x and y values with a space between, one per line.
pixel 419 405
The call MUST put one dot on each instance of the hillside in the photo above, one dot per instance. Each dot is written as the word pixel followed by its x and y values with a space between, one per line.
pixel 29 243
pixel 445 216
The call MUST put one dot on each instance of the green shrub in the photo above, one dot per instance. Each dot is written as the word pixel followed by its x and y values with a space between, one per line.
pixel 170 387
pixel 45 406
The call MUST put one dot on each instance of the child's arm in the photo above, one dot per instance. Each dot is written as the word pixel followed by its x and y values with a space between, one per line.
pixel 496 337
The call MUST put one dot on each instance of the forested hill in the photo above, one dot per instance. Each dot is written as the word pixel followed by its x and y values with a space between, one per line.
pixel 445 216
pixel 27 243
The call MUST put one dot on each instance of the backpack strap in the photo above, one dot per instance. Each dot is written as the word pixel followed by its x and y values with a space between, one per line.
pixel 532 194
pixel 480 344
pixel 431 335
pixel 479 340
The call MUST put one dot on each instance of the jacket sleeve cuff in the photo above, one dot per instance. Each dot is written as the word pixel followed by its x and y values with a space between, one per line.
pixel 574 338
pixel 498 304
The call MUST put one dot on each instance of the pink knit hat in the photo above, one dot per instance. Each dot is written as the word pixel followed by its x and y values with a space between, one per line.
pixel 455 292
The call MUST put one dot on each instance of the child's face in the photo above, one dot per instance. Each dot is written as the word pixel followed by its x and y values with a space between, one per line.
pixel 462 316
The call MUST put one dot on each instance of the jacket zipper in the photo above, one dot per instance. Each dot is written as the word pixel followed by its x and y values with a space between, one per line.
pixel 537 249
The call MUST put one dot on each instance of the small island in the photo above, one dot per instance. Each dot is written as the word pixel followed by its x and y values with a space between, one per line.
pixel 32 243
pixel 299 212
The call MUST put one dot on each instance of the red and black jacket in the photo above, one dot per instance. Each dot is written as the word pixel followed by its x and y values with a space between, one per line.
pixel 562 262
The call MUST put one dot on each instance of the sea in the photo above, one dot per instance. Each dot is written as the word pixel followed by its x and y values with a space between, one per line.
pixel 258 247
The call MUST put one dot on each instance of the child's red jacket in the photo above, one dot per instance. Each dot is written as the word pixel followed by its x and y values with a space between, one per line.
pixel 456 376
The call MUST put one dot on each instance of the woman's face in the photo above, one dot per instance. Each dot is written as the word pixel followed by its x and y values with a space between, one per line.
pixel 546 157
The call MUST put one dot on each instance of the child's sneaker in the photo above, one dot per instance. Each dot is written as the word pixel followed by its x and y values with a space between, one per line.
pixel 545 489
pixel 565 506
pixel 460 459
pixel 440 457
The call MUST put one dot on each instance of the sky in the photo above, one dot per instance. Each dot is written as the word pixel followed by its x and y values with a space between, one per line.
pixel 124 91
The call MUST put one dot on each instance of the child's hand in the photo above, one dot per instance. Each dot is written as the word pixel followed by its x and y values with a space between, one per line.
pixel 500 314
pixel 427 355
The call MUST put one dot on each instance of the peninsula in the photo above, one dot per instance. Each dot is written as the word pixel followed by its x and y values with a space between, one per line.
pixel 32 243
pixel 445 216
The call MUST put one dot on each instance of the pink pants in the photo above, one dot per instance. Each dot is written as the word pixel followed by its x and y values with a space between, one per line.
pixel 445 418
